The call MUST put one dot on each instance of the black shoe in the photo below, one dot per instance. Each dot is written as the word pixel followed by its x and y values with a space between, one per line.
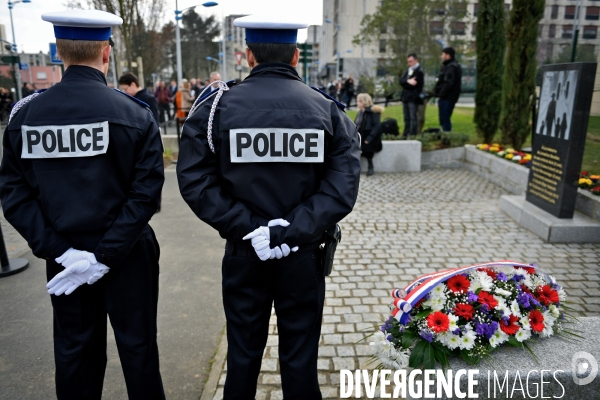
pixel 370 171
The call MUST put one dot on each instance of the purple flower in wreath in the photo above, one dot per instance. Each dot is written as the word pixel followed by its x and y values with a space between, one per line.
pixel 517 278
pixel 472 297
pixel 524 300
pixel 501 276
pixel 426 335
pixel 389 338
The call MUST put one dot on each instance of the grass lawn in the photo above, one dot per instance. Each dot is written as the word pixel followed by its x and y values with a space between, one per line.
pixel 462 122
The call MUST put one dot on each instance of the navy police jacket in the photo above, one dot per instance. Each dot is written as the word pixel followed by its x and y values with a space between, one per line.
pixel 282 150
pixel 82 167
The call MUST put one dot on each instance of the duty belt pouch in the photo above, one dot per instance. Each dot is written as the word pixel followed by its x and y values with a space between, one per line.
pixel 333 236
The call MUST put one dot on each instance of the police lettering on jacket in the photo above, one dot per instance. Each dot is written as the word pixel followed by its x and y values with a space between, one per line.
pixel 277 145
pixel 60 141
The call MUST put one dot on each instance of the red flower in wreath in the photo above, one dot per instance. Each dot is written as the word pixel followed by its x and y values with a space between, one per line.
pixel 464 310
pixel 525 289
pixel 529 270
pixel 489 272
pixel 488 299
pixel 536 320
pixel 438 322
pixel 510 327
pixel 458 284
pixel 547 295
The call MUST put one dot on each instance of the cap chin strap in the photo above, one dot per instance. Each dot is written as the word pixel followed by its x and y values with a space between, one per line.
pixel 222 87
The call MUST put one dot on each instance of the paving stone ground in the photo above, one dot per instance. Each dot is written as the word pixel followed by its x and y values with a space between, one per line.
pixel 408 224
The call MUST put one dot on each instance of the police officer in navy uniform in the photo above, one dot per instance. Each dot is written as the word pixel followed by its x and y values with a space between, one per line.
pixel 81 176
pixel 271 164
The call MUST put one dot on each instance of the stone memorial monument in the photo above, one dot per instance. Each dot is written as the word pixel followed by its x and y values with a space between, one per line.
pixel 559 140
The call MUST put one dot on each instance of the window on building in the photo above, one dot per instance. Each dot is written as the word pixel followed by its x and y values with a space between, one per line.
pixel 459 10
pixel 474 29
pixel 570 12
pixel 384 28
pixel 438 8
pixel 552 31
pixel 592 13
pixel 436 28
pixel 506 6
pixel 567 31
pixel 554 12
pixel 475 9
pixel 458 28
pixel 590 32
pixel 382 45
pixel 474 46
pixel 381 67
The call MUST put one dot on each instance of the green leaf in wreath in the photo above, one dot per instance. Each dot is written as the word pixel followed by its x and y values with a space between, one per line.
pixel 514 342
pixel 442 348
pixel 408 338
pixel 428 356
pixel 416 356
pixel 423 314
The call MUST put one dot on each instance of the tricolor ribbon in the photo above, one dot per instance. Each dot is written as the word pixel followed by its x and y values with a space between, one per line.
pixel 406 299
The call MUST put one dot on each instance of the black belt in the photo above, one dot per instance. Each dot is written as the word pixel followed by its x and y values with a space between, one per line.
pixel 245 249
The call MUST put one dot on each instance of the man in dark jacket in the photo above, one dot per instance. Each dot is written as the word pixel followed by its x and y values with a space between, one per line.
pixel 129 84
pixel 82 200
pixel 412 87
pixel 270 164
pixel 447 87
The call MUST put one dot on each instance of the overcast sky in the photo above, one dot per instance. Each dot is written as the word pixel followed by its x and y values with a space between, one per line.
pixel 34 35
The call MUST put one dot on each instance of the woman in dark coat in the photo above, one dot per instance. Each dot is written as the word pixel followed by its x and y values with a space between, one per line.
pixel 368 121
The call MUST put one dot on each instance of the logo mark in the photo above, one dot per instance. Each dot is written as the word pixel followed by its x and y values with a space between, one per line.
pixel 580 367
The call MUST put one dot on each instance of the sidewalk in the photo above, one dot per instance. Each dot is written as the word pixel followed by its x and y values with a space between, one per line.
pixel 403 226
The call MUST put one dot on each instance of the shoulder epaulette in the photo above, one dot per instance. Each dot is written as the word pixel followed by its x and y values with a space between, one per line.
pixel 340 105
pixel 24 101
pixel 140 102
pixel 199 100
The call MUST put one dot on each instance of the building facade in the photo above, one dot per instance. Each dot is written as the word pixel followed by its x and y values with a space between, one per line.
pixel 342 21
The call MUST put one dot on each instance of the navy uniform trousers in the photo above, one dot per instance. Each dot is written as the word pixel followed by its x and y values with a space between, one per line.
pixel 296 286
pixel 129 295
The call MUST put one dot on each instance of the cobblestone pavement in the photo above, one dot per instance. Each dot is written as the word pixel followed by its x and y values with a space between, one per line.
pixel 405 225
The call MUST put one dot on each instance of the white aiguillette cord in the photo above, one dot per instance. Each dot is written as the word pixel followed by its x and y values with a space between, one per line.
pixel 222 87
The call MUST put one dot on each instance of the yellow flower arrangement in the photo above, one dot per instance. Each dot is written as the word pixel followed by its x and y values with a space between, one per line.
pixel 509 156
pixel 585 181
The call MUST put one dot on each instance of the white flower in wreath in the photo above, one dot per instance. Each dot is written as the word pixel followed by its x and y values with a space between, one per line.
pixel 498 338
pixel 502 292
pixel 399 359
pixel 515 309
pixel 449 340
pixel 562 295
pixel 523 334
pixel 467 341
pixel 453 325
pixel 438 292
pixel 549 321
pixel 524 321
pixel 481 280
pixel 436 304
pixel 502 306
pixel 554 311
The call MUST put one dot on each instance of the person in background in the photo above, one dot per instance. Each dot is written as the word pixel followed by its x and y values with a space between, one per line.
pixel 184 99
pixel 25 91
pixel 214 76
pixel 194 88
pixel 163 97
pixel 348 91
pixel 129 84
pixel 6 101
pixel 368 122
pixel 173 90
pixel 412 86
pixel 447 87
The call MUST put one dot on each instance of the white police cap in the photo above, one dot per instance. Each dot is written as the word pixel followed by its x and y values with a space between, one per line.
pixel 92 25
pixel 270 28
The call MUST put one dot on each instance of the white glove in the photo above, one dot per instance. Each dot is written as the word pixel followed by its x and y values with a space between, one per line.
pixel 260 241
pixel 75 275
pixel 70 256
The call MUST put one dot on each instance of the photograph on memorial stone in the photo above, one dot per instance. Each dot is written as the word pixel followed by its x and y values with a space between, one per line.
pixel 556 104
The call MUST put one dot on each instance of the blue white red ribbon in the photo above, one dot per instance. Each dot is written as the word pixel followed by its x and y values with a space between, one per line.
pixel 406 299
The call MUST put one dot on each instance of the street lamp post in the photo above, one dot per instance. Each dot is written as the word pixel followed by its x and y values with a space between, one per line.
pixel 11 4
pixel 337 47
pixel 178 34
